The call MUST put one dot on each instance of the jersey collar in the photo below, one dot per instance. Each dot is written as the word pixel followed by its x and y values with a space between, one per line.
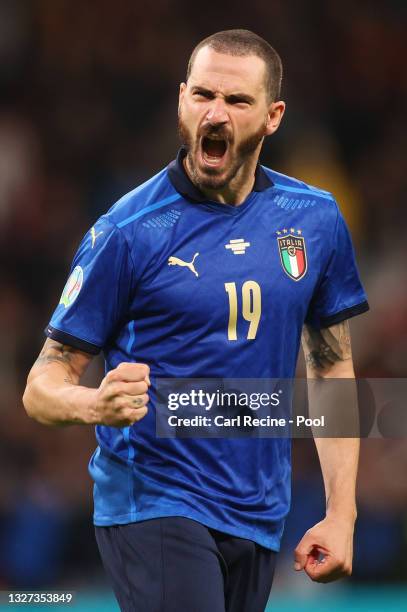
pixel 184 185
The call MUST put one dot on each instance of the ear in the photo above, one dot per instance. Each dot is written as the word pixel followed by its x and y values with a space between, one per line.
pixel 274 117
pixel 182 88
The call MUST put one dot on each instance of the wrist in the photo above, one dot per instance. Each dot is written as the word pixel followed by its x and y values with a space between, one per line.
pixel 91 415
pixel 346 512
pixel 82 405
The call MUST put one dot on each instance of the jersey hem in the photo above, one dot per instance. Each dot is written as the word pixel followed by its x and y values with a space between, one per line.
pixel 78 343
pixel 347 313
pixel 272 543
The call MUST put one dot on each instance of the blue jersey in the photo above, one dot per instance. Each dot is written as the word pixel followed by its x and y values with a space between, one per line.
pixel 198 289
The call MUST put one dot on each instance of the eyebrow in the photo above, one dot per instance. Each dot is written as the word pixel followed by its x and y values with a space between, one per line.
pixel 238 96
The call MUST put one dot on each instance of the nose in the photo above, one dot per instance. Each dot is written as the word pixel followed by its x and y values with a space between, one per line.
pixel 217 113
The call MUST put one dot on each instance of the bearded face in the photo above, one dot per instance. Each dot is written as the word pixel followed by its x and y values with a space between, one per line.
pixel 223 115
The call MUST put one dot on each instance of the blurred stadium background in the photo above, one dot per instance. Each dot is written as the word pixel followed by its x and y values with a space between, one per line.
pixel 87 111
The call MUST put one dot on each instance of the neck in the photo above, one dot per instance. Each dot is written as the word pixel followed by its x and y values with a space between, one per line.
pixel 237 190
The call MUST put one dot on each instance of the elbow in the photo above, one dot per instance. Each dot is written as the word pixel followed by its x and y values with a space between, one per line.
pixel 28 402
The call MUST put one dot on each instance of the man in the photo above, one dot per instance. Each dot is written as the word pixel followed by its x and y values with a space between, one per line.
pixel 212 268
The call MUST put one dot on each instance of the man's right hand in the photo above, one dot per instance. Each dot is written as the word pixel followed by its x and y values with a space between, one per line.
pixel 122 397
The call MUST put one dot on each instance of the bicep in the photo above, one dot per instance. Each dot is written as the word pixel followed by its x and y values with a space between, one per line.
pixel 62 361
pixel 328 351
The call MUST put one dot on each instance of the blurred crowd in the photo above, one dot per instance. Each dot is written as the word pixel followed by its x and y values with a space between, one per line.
pixel 88 111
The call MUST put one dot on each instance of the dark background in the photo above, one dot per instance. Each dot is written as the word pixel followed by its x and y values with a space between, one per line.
pixel 88 109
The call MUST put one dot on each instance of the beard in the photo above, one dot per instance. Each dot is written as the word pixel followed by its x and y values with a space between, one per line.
pixel 217 178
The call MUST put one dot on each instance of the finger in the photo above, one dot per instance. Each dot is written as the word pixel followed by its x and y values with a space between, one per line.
pixel 301 553
pixel 127 388
pixel 324 570
pixel 129 416
pixel 129 372
pixel 136 414
pixel 132 402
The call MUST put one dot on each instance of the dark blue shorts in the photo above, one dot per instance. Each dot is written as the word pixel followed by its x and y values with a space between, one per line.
pixel 175 564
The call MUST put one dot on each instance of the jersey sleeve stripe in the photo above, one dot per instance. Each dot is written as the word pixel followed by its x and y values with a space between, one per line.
pixel 78 343
pixel 342 315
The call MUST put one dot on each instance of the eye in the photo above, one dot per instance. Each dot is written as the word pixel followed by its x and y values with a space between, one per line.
pixel 236 100
pixel 203 94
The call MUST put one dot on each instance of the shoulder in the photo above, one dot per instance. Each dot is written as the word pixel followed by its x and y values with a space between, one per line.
pixel 291 193
pixel 155 193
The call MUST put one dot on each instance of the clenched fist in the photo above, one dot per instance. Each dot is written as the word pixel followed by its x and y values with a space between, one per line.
pixel 331 538
pixel 122 398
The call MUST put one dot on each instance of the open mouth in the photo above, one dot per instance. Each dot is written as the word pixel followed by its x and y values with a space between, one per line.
pixel 213 150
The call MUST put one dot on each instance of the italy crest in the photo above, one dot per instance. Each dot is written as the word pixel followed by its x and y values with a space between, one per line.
pixel 292 254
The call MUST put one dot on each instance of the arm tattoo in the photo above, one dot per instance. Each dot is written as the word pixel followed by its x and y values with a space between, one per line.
pixel 67 356
pixel 54 352
pixel 324 347
pixel 73 361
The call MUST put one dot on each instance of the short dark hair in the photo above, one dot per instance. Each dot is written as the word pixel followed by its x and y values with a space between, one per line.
pixel 242 43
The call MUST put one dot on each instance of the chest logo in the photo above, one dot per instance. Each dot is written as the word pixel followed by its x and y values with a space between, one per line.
pixel 176 261
pixel 292 253
pixel 238 246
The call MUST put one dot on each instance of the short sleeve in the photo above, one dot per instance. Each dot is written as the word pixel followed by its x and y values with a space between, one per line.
pixel 339 294
pixel 97 293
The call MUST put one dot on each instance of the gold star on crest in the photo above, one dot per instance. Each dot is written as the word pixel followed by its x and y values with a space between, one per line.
pixel 284 231
pixel 278 232
pixel 299 232
pixel 292 230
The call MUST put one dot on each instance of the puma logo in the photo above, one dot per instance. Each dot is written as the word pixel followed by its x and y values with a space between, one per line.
pixel 94 236
pixel 176 261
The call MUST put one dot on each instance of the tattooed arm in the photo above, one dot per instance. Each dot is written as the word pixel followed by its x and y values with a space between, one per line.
pixel 328 351
pixel 328 355
pixel 53 395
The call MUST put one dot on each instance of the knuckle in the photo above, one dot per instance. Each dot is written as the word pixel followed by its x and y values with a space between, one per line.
pixel 141 400
pixel 110 376
pixel 114 389
pixel 120 404
pixel 141 412
pixel 143 387
pixel 144 369
pixel 115 406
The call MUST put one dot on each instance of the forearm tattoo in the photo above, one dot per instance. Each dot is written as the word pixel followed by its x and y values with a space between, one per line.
pixel 324 347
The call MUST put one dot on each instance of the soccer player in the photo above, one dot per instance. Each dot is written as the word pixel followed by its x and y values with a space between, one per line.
pixel 214 267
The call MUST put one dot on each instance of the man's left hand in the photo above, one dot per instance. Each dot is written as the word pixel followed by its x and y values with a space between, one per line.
pixel 326 550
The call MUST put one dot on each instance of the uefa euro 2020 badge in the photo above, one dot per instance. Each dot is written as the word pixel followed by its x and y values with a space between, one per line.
pixel 72 287
pixel 291 245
